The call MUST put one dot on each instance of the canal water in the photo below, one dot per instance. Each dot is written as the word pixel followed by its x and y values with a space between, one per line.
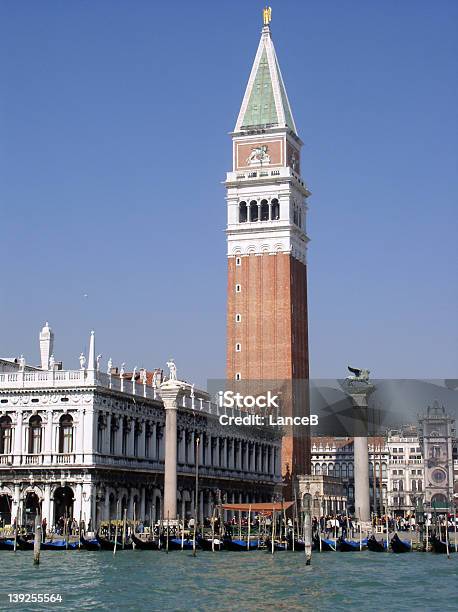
pixel 152 580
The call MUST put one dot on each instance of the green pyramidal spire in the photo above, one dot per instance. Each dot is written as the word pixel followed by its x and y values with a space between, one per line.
pixel 265 103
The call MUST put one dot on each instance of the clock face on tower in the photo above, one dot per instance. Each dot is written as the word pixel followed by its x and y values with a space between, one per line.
pixel 438 476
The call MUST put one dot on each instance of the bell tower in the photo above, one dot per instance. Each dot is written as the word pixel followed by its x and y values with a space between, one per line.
pixel 267 334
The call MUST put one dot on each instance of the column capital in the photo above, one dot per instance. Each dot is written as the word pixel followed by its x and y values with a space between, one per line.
pixel 171 393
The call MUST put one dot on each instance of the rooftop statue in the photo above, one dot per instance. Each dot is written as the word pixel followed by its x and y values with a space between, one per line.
pixel 359 375
pixel 172 369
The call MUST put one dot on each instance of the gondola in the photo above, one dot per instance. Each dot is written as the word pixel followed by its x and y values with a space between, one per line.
pixel 175 544
pixel 92 544
pixel 376 545
pixel 50 545
pixel 326 545
pixel 6 544
pixel 208 544
pixel 59 545
pixel 24 544
pixel 351 545
pixel 144 544
pixel 240 545
pixel 299 545
pixel 106 544
pixel 439 546
pixel 400 546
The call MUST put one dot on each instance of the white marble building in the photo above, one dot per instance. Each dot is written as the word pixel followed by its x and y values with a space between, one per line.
pixel 395 462
pixel 75 442
pixel 405 471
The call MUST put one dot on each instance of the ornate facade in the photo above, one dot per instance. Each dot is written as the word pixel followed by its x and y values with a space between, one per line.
pixel 77 442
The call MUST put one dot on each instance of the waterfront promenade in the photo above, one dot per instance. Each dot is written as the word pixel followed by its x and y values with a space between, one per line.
pixel 149 581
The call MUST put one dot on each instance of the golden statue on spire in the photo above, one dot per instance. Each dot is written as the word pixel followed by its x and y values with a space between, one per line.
pixel 267 15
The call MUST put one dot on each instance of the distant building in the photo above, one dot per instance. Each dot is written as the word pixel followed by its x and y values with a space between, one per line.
pixel 397 466
pixel 438 439
pixel 405 471
pixel 333 456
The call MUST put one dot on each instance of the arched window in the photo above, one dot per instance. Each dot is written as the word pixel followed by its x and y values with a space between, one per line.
pixel 337 470
pixel 264 210
pixel 243 212
pixel 317 469
pixel 344 470
pixel 35 434
pixel 254 211
pixel 66 434
pixel 324 469
pixel 331 469
pixel 5 435
pixel 350 470
pixel 275 210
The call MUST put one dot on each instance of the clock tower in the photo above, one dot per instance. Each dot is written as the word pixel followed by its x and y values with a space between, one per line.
pixel 267 335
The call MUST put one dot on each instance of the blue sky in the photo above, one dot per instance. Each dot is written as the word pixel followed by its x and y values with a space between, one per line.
pixel 114 118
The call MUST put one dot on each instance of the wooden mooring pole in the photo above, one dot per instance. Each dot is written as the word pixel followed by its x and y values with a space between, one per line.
pixel 37 541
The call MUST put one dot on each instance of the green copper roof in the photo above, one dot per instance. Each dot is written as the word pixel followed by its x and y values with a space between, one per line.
pixel 288 118
pixel 261 106
pixel 265 102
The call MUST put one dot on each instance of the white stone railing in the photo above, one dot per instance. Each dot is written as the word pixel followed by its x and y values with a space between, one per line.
pixel 63 458
pixel 73 378
pixel 32 459
pixel 64 379
pixel 6 459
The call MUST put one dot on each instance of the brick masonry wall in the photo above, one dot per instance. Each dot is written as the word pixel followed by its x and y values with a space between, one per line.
pixel 273 333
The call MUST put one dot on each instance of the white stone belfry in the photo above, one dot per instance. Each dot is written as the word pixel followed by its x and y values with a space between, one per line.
pixel 46 345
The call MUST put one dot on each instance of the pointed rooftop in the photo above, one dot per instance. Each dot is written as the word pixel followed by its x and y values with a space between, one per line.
pixel 265 103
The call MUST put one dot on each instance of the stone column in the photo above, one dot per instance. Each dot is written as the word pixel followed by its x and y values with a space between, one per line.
pixel 171 396
pixel 17 446
pixel 141 440
pixel 253 451
pixel 359 390
pixel 77 509
pixel 181 441
pixel 223 452
pixel 154 452
pixel 48 441
pixel 142 509
pixel 130 438
pixel 191 448
pixel 106 513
